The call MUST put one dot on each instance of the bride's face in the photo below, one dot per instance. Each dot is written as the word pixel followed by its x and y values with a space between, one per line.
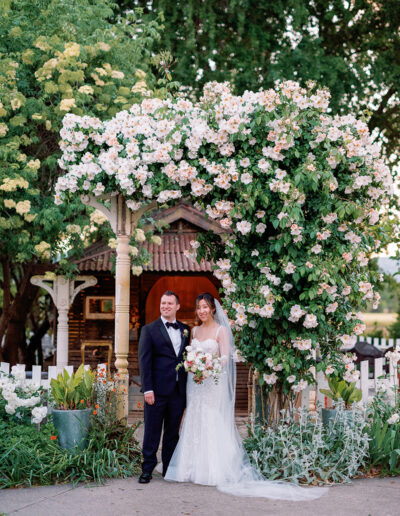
pixel 204 312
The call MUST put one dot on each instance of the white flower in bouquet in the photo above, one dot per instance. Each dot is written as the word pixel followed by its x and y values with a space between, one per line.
pixel 295 313
pixel 139 235
pixel 348 341
pixel 310 321
pixel 270 379
pixel 351 376
pixel 201 365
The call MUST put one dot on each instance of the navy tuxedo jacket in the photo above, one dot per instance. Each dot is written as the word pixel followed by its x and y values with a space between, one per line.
pixel 158 360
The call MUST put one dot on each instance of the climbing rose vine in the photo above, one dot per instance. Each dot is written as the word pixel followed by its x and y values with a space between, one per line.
pixel 298 190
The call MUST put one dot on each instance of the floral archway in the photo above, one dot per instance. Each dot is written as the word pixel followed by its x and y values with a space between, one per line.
pixel 299 189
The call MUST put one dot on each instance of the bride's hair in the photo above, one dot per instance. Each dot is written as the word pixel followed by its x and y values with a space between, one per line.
pixel 209 299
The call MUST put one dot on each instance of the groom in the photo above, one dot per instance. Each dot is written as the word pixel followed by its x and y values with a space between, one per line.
pixel 161 345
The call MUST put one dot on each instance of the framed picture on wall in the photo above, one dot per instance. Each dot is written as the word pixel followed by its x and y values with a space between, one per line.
pixel 100 307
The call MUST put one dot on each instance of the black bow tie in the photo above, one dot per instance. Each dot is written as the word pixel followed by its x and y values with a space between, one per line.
pixel 173 325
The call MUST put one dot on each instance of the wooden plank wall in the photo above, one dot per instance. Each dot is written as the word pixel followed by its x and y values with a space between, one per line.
pixel 85 329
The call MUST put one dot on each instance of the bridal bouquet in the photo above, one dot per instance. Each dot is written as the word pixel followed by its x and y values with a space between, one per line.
pixel 202 365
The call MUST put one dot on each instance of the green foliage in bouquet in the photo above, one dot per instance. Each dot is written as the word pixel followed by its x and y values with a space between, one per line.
pixel 342 390
pixel 73 392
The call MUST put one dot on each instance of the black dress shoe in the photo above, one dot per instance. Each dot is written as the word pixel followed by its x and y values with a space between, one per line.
pixel 145 478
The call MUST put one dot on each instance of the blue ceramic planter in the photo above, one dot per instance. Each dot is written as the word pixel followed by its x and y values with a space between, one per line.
pixel 73 427
pixel 329 415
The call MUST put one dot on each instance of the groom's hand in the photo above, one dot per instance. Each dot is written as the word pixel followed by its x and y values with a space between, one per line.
pixel 149 398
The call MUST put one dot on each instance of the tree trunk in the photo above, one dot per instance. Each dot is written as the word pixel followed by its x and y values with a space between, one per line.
pixel 267 406
pixel 35 343
pixel 15 336
pixel 5 314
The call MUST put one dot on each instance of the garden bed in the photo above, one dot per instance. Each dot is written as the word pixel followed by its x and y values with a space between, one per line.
pixel 29 456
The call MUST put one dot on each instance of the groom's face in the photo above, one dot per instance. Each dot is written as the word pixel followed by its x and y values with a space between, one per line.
pixel 168 307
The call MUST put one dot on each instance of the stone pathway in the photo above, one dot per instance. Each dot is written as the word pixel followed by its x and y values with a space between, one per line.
pixel 370 497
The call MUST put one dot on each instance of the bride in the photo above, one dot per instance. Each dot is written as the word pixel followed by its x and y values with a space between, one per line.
pixel 209 450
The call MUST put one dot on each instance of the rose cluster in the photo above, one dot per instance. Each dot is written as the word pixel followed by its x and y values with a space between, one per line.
pixel 298 191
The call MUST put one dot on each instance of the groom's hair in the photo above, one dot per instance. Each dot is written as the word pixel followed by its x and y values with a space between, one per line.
pixel 171 293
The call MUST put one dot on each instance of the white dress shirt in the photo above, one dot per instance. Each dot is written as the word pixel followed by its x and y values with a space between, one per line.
pixel 176 339
pixel 174 335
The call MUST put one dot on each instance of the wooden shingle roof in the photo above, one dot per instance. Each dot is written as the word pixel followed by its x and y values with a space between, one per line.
pixel 184 221
pixel 167 257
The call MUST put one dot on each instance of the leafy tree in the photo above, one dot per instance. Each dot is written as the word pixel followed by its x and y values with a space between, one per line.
pixel 56 57
pixel 350 47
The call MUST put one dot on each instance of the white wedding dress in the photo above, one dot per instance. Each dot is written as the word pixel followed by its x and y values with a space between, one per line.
pixel 209 450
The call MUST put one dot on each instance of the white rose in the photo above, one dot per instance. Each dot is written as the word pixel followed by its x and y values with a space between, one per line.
pixel 270 379
pixel 394 418
pixel 10 409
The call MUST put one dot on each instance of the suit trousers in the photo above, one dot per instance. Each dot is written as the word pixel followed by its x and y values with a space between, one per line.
pixel 167 411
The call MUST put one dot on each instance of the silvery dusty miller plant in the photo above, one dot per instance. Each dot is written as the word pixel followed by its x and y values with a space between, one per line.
pixel 304 451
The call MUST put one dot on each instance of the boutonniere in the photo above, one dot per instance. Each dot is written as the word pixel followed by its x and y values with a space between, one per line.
pixel 186 333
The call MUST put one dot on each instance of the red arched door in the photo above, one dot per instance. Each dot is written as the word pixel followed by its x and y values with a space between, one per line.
pixel 187 288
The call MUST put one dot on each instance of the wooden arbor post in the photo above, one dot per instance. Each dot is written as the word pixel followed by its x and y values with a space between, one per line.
pixel 63 292
pixel 123 222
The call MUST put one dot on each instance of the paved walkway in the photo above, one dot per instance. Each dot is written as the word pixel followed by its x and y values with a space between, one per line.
pixel 372 497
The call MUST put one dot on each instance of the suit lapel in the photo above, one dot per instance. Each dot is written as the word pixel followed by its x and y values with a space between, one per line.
pixel 164 333
pixel 183 338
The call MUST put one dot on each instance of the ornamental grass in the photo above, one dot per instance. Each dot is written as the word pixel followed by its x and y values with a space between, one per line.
pixel 31 457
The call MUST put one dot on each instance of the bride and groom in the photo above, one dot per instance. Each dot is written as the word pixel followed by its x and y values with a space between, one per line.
pixel 208 449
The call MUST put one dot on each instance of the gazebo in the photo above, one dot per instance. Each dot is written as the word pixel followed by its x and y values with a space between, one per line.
pixel 91 316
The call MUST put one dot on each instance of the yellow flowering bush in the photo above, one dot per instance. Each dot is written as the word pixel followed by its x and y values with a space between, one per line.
pixel 59 65
pixel 58 57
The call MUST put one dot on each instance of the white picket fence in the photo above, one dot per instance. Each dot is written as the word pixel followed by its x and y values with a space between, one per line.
pixel 368 383
pixel 380 342
pixel 135 396
pixel 36 378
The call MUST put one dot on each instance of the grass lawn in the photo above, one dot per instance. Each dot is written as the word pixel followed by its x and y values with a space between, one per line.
pixel 383 320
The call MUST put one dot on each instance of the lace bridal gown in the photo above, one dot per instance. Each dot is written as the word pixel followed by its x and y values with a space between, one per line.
pixel 209 450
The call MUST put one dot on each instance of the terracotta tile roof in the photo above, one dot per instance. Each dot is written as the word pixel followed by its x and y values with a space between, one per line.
pixel 167 257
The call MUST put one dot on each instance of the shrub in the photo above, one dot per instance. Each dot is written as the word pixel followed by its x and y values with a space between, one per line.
pixel 302 450
pixel 21 402
pixel 32 457
pixel 383 429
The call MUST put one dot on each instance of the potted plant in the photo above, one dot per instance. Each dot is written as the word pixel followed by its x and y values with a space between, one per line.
pixel 340 390
pixel 73 399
